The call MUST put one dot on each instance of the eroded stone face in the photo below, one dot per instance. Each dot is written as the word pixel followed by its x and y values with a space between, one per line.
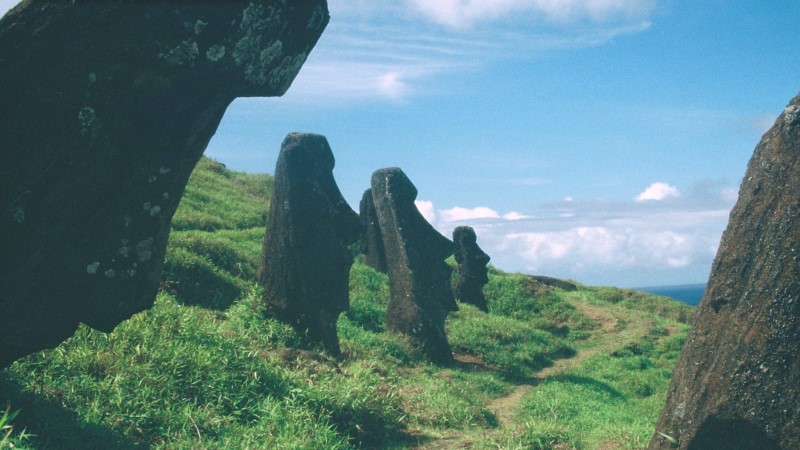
pixel 472 273
pixel 737 382
pixel 372 242
pixel 106 108
pixel 419 279
pixel 305 263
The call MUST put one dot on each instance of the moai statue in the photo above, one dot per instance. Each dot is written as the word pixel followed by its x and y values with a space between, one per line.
pixel 372 241
pixel 472 274
pixel 419 279
pixel 736 384
pixel 305 262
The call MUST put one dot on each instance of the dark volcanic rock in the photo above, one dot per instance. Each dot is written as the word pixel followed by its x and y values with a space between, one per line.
pixel 554 282
pixel 419 279
pixel 372 242
pixel 472 272
pixel 737 382
pixel 305 263
pixel 106 108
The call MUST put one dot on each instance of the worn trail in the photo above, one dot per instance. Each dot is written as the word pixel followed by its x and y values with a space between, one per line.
pixel 617 328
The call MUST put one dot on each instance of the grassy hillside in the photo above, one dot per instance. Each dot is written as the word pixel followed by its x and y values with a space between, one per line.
pixel 205 368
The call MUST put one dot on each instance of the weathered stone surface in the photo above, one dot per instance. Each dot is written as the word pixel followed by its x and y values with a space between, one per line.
pixel 372 241
pixel 419 279
pixel 472 273
pixel 554 282
pixel 106 108
pixel 737 382
pixel 305 263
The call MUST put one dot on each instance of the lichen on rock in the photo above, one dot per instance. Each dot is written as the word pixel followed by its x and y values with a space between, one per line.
pixel 736 384
pixel 76 183
pixel 184 53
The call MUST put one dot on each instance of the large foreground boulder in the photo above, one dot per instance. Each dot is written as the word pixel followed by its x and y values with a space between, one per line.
pixel 106 107
pixel 419 278
pixel 737 382
pixel 305 263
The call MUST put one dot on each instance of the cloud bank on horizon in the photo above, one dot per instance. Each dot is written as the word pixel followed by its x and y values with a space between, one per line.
pixel 660 232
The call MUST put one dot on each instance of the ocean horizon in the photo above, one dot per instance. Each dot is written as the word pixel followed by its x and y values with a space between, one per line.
pixel 691 294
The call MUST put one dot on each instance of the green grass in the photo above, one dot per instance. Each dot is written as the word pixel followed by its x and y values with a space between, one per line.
pixel 613 397
pixel 183 377
pixel 206 368
pixel 220 199
pixel 211 269
pixel 520 297
pixel 512 347
pixel 9 438
pixel 610 400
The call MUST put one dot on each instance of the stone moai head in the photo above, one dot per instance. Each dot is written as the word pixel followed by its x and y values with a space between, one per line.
pixel 305 262
pixel 472 271
pixel 372 241
pixel 419 278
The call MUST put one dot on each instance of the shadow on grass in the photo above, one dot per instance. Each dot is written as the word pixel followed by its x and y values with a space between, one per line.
pixel 590 383
pixel 56 427
pixel 524 374
pixel 527 374
pixel 199 285
pixel 561 331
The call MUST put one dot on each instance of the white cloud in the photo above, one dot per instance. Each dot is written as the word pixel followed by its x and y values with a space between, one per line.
pixel 658 191
pixel 681 261
pixel 514 215
pixel 566 213
pixel 321 81
pixel 382 50
pixel 445 217
pixel 427 210
pixel 458 214
pixel 465 13
pixel 391 86
pixel 589 250
pixel 585 245
pixel 539 247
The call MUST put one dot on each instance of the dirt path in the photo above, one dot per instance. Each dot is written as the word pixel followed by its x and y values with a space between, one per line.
pixel 506 407
pixel 617 328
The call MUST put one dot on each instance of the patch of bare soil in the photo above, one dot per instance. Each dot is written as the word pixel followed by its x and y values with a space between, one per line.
pixel 472 362
pixel 598 314
pixel 505 407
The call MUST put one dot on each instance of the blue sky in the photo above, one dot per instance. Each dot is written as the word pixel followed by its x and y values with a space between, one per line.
pixel 600 140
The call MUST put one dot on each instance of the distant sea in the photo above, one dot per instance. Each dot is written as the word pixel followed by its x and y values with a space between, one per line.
pixel 690 294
